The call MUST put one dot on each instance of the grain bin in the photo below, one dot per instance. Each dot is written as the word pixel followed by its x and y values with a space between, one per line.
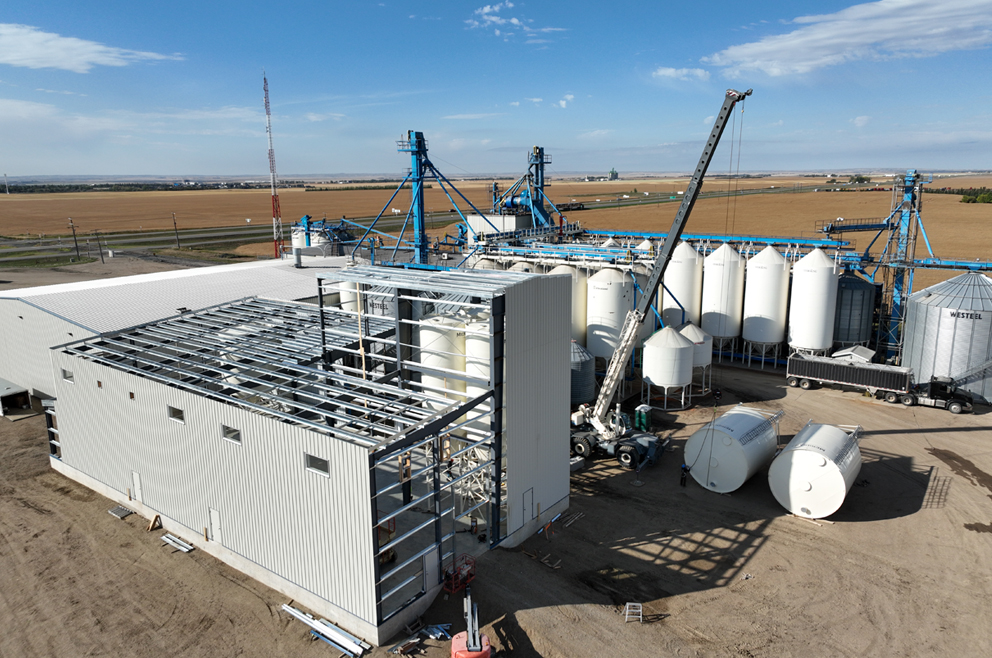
pixel 524 266
pixel 442 347
pixel 724 453
pixel 949 331
pixel 812 475
pixel 668 359
pixel 814 302
pixel 723 294
pixel 610 295
pixel 477 355
pixel 766 298
pixel 486 264
pixel 349 296
pixel 645 245
pixel 855 311
pixel 583 377
pixel 579 295
pixel 684 278
pixel 702 354
pixel 611 243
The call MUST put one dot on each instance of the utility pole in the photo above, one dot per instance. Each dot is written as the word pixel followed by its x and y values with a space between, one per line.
pixel 6 187
pixel 176 229
pixel 100 247
pixel 74 241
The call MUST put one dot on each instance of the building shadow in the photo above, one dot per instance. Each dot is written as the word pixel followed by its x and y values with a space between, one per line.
pixel 890 486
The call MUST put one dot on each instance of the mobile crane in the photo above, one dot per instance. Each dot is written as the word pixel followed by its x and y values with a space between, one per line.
pixel 608 430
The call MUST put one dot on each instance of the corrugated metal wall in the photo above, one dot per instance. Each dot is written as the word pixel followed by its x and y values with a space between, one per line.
pixel 538 342
pixel 310 529
pixel 946 342
pixel 26 337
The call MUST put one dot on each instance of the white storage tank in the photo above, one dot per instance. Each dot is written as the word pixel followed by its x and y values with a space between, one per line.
pixel 812 475
pixel 485 264
pixel 298 238
pixel 855 311
pixel 610 297
pixel 650 322
pixel 349 296
pixel 949 332
pixel 610 242
pixel 723 293
pixel 477 353
pixel 766 298
pixel 579 294
pixel 723 454
pixel 684 278
pixel 668 359
pixel 442 346
pixel 814 302
pixel 645 245
pixel 702 352
pixel 583 378
pixel 524 266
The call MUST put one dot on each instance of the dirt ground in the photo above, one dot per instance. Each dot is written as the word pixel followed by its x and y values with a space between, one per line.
pixel 26 277
pixel 901 570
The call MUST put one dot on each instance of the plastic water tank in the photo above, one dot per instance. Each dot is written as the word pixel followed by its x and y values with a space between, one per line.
pixel 583 379
pixel 442 346
pixel 579 294
pixel 702 352
pixel 668 359
pixel 766 297
pixel 812 475
pixel 610 296
pixel 814 302
pixel 723 293
pixel 485 264
pixel 684 278
pixel 298 238
pixel 724 453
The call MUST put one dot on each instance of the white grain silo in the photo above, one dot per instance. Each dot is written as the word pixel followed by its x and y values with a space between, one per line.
pixel 349 296
pixel 812 475
pixel 579 295
pixel 855 311
pixel 766 301
pixel 723 297
pixel 725 452
pixel 684 280
pixel 650 322
pixel 468 492
pixel 486 264
pixel 524 266
pixel 611 243
pixel 702 355
pixel 948 332
pixel 442 348
pixel 813 303
pixel 610 297
pixel 667 364
pixel 645 245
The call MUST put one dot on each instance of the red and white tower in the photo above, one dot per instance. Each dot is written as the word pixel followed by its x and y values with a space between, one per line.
pixel 276 214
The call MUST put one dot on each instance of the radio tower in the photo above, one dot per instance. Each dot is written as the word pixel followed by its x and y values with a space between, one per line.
pixel 276 214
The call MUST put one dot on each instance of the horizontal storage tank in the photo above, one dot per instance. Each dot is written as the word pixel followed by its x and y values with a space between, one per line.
pixel 949 332
pixel 579 294
pixel 766 297
pixel 668 359
pixel 442 346
pixel 610 296
pixel 486 264
pixel 812 475
pixel 583 378
pixel 724 453
pixel 814 302
pixel 684 278
pixel 723 293
pixel 702 343
pixel 855 311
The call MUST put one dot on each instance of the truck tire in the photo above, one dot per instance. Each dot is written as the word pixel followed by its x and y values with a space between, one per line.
pixel 907 399
pixel 627 457
pixel 955 407
pixel 582 447
pixel 891 397
pixel 805 384
pixel 793 382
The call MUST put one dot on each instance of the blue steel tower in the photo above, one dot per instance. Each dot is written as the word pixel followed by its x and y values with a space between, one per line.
pixel 416 146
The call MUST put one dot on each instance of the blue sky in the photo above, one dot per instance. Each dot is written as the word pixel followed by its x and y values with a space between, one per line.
pixel 118 88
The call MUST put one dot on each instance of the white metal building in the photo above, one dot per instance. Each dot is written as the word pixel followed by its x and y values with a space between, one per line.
pixel 303 445
pixel 32 320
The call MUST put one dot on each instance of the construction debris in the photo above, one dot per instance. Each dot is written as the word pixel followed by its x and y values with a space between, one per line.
pixel 177 543
pixel 332 635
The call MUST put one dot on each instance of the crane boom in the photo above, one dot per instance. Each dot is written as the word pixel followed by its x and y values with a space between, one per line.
pixel 628 334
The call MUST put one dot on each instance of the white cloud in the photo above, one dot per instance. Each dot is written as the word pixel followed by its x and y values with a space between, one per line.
pixel 595 134
pixel 681 74
pixel 562 103
pixel 471 116
pixel 24 45
pixel 779 123
pixel 515 103
pixel 708 120
pixel 861 121
pixel 538 41
pixel 490 16
pixel 312 116
pixel 569 97
pixel 534 100
pixel 57 91
pixel 872 31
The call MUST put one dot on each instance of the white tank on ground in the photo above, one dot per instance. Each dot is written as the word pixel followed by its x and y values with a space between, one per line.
pixel 645 245
pixel 442 346
pixel 668 359
pixel 684 278
pixel 766 297
pixel 724 453
pixel 702 352
pixel 812 475
pixel 610 297
pixel 579 300
pixel 723 293
pixel 486 264
pixel 814 302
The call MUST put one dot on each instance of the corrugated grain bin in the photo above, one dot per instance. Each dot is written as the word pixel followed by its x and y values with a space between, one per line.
pixel 583 379
pixel 812 475
pixel 855 311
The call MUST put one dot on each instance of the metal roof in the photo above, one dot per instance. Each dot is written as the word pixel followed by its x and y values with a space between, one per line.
pixel 970 291
pixel 265 355
pixel 478 283
pixel 113 304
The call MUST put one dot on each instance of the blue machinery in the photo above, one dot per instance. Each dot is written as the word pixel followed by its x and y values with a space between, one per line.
pixel 527 195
